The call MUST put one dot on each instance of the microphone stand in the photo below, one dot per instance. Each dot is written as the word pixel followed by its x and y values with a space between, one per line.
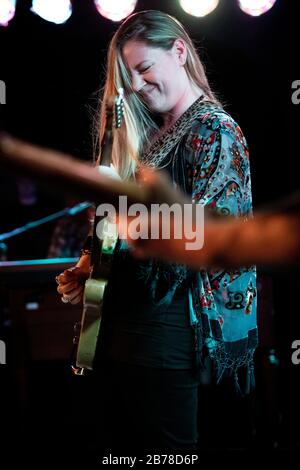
pixel 65 212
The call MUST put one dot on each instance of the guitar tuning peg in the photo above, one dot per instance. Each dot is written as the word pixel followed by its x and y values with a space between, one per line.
pixel 75 339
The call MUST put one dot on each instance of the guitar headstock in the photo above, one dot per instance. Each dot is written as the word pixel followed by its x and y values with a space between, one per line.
pixel 115 111
pixel 114 108
pixel 119 108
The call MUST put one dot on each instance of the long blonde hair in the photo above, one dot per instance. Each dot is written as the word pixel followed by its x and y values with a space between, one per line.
pixel 156 29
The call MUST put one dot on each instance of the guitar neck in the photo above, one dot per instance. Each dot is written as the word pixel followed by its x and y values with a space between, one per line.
pixel 106 147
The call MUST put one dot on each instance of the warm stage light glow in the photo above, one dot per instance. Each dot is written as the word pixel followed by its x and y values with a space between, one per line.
pixel 56 11
pixel 256 7
pixel 7 11
pixel 115 10
pixel 198 7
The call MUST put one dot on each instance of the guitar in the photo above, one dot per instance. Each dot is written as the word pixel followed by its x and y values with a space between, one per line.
pixel 103 245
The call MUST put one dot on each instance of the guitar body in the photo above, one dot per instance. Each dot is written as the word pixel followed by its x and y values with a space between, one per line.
pixel 93 298
pixel 90 322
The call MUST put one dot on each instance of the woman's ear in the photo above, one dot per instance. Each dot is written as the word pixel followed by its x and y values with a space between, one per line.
pixel 180 50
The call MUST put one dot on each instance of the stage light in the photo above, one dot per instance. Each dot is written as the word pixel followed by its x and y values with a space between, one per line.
pixel 115 10
pixel 7 11
pixel 56 11
pixel 256 7
pixel 198 7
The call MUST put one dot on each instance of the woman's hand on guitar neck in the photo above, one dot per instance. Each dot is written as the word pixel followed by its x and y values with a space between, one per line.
pixel 71 281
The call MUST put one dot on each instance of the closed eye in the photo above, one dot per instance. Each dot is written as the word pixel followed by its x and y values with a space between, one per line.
pixel 145 69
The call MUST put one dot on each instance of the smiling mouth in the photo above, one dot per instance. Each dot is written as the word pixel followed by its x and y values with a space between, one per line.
pixel 148 91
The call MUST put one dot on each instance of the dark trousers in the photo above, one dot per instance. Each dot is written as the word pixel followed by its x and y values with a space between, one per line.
pixel 145 410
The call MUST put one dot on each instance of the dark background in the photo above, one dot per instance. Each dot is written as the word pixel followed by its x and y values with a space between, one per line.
pixel 53 75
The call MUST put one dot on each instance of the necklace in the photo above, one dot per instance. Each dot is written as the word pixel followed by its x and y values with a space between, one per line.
pixel 157 151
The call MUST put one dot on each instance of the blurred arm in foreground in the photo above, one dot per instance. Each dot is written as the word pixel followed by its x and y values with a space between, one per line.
pixel 271 238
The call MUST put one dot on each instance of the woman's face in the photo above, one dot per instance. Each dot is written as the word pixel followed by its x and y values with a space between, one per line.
pixel 158 76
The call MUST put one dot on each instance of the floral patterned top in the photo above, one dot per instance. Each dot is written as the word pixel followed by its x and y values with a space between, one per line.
pixel 222 303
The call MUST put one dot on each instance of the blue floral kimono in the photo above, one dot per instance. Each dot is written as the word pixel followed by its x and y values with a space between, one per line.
pixel 222 303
